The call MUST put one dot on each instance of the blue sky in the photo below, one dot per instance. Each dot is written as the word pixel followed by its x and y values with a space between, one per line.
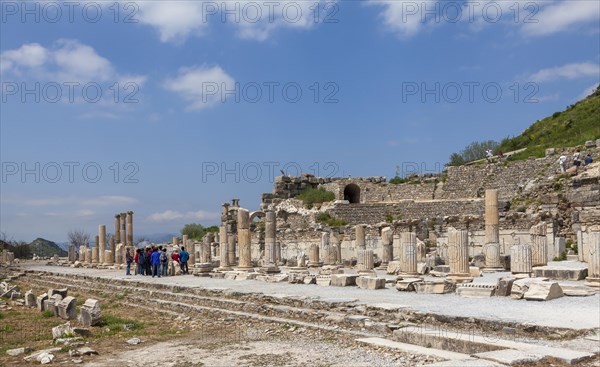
pixel 179 92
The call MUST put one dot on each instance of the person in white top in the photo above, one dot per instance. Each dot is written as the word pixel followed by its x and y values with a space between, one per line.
pixel 562 162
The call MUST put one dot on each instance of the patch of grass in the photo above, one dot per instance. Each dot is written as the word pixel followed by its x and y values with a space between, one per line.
pixel 111 325
pixel 312 196
pixel 47 314
pixel 1 316
pixel 327 219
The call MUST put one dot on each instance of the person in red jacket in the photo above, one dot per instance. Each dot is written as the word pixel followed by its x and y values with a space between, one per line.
pixel 175 257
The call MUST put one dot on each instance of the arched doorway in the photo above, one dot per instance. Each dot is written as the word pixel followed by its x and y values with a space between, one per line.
pixel 352 193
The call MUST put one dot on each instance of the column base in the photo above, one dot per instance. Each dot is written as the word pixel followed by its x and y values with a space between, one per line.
pixel 245 268
pixel 269 269
pixel 592 282
pixel 493 269
pixel 298 269
pixel 367 273
pixel 409 275
pixel 223 269
pixel 460 278
pixel 314 265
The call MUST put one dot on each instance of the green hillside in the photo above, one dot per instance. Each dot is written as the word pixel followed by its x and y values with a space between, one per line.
pixel 42 247
pixel 578 123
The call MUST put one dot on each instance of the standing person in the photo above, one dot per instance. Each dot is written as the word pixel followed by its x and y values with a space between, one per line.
pixel 562 162
pixel 183 258
pixel 489 155
pixel 139 260
pixel 128 260
pixel 155 260
pixel 164 262
pixel 577 160
pixel 147 255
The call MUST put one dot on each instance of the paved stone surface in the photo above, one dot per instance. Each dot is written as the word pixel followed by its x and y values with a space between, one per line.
pixel 495 308
pixel 415 349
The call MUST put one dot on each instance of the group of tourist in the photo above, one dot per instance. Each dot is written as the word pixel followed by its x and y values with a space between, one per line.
pixel 154 261
pixel 577 160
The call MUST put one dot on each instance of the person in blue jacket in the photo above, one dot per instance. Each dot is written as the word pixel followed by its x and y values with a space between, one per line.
pixel 155 261
pixel 184 256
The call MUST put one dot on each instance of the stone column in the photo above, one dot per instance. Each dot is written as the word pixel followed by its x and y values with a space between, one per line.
pixel 117 235
pixel 539 248
pixel 324 250
pixel 231 246
pixel 387 246
pixel 235 203
pixel 109 257
pixel 101 242
pixel 88 254
pixel 123 239
pixel 96 250
pixel 365 263
pixel 223 253
pixel 278 259
pixel 492 231
pixel 408 254
pixel 72 253
pixel 359 243
pixel 335 241
pixel 184 240
pixel 244 240
pixel 113 250
pixel 81 256
pixel 270 265
pixel 593 256
pixel 521 259
pixel 204 264
pixel 130 228
pixel 191 249
pixel 458 254
pixel 313 256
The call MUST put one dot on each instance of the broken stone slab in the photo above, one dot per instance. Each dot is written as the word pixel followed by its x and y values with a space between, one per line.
pixel 393 267
pixel 66 308
pixel 476 290
pixel 87 351
pixel 343 280
pixel 435 287
pixel 134 341
pixel 521 286
pixel 90 314
pixel 510 357
pixel 40 354
pixel 30 299
pixel 370 282
pixel 323 280
pixel 504 286
pixel 310 279
pixel 475 272
pixel 561 273
pixel 244 275
pixel 62 331
pixel 279 278
pixel 407 284
pixel 62 292
pixel 230 275
pixel 51 304
pixel 543 291
pixel 18 351
pixel 576 290
pixel 422 268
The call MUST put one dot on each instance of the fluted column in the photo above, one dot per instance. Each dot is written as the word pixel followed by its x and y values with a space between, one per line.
pixel 270 265
pixel 521 259
pixel 123 239
pixel 96 250
pixel 223 254
pixel 365 262
pixel 113 251
pixel 231 247
pixel 458 252
pixel 408 253
pixel 117 235
pixel 593 257
pixel 359 243
pixel 130 228
pixel 244 244
pixel 313 256
pixel 491 248
pixel 539 247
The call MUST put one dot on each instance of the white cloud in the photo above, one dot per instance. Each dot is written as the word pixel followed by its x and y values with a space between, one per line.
pixel 95 201
pixel 85 212
pixel 109 200
pixel 174 20
pixel 66 60
pixel 171 215
pixel 569 71
pixel 201 86
pixel 563 16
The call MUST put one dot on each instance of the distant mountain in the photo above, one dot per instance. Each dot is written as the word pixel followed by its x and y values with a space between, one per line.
pixel 43 247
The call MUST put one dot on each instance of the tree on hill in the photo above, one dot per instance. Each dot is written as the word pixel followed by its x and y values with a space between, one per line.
pixel 472 152
pixel 197 231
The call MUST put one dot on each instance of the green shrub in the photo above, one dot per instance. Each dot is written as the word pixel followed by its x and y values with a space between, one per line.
pixel 327 219
pixel 398 180
pixel 47 314
pixel 312 196
pixel 389 218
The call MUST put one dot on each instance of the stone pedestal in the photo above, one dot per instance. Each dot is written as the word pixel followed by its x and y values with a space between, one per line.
pixel 408 254
pixel 95 254
pixel 313 257
pixel 365 263
pixel 108 257
pixel 539 247
pixel 223 255
pixel 521 259
pixel 593 256
pixel 458 255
